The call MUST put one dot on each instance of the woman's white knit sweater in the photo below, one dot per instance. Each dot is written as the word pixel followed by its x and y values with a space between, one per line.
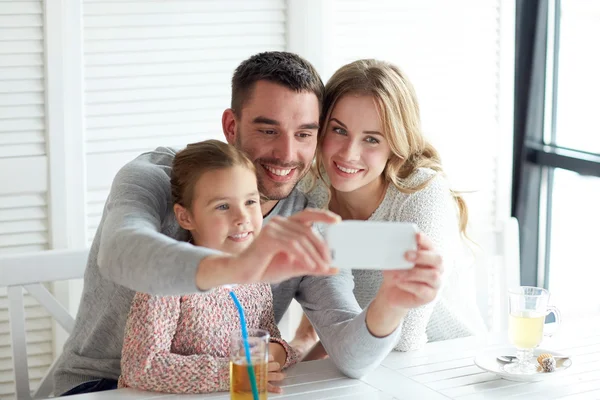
pixel 433 209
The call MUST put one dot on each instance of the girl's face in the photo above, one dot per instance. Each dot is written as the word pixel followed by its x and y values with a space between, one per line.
pixel 225 213
pixel 354 149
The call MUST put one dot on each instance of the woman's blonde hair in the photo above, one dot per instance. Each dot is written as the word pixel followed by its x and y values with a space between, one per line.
pixel 398 108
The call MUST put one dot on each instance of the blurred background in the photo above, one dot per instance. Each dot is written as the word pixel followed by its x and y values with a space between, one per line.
pixel 508 91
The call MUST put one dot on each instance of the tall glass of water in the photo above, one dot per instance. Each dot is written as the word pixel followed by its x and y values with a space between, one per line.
pixel 528 308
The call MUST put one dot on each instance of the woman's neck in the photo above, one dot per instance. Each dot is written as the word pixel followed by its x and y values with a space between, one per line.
pixel 359 204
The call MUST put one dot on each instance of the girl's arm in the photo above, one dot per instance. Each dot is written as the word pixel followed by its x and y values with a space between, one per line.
pixel 147 362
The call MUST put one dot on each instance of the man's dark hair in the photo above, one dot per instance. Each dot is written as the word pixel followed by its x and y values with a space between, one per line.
pixel 286 69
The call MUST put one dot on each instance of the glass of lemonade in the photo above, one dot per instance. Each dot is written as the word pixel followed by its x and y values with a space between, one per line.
pixel 528 307
pixel 240 387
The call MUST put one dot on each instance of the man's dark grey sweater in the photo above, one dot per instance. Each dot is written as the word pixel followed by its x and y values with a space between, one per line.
pixel 139 246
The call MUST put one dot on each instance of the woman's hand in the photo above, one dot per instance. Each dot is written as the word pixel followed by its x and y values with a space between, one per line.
pixel 405 289
pixel 419 285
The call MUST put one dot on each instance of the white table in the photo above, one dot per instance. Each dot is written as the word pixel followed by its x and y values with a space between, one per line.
pixel 441 370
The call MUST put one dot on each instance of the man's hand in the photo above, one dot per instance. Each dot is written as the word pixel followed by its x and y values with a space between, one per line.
pixel 318 352
pixel 305 338
pixel 284 249
pixel 405 289
pixel 277 356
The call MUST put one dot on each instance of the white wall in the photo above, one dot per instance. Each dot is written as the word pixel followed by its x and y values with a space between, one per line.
pixel 85 86
pixel 459 56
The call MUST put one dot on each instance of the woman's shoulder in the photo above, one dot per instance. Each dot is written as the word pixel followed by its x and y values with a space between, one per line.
pixel 432 201
pixel 436 185
pixel 434 179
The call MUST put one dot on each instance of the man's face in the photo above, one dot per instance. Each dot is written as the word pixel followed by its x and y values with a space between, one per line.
pixel 277 128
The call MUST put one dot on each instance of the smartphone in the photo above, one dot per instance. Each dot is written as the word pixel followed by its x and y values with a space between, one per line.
pixel 371 245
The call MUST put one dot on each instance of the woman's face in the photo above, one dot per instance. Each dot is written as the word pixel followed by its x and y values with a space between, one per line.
pixel 354 149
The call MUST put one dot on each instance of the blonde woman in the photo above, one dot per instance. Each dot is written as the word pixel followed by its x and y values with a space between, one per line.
pixel 375 164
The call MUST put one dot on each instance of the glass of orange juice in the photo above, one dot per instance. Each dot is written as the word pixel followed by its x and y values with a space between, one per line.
pixel 528 307
pixel 240 386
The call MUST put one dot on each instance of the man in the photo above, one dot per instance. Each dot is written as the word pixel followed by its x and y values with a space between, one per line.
pixel 274 118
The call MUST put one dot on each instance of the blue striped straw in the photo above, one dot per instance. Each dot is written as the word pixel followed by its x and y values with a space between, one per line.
pixel 246 345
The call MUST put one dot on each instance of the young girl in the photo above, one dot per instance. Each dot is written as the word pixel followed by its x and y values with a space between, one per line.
pixel 180 344
pixel 375 164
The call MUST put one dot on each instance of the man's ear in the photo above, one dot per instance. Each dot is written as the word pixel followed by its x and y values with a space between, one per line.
pixel 183 217
pixel 229 125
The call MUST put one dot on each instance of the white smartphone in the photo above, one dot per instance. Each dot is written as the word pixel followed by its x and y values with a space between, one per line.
pixel 370 245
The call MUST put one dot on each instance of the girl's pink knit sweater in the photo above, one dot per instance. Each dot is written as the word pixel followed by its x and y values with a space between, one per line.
pixel 180 344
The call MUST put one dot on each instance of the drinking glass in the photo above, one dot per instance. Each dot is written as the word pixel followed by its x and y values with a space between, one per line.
pixel 528 307
pixel 240 387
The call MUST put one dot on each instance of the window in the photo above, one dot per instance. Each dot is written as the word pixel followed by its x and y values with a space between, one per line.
pixel 574 270
pixel 556 177
pixel 577 75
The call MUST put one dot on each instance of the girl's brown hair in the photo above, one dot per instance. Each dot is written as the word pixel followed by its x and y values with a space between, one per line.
pixel 198 158
pixel 399 110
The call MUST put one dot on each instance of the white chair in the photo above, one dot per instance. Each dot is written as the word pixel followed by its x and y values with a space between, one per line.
pixel 497 269
pixel 290 321
pixel 29 271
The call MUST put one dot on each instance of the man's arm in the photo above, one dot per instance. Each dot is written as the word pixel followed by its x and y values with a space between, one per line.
pixel 133 252
pixel 332 309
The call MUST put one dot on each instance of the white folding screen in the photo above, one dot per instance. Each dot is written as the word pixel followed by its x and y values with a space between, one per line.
pixel 85 86
pixel 159 72
pixel 23 162
pixel 24 216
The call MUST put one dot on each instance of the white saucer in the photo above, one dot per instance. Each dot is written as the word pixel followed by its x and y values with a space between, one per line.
pixel 487 361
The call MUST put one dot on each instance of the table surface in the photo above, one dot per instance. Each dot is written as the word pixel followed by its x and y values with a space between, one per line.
pixel 441 370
